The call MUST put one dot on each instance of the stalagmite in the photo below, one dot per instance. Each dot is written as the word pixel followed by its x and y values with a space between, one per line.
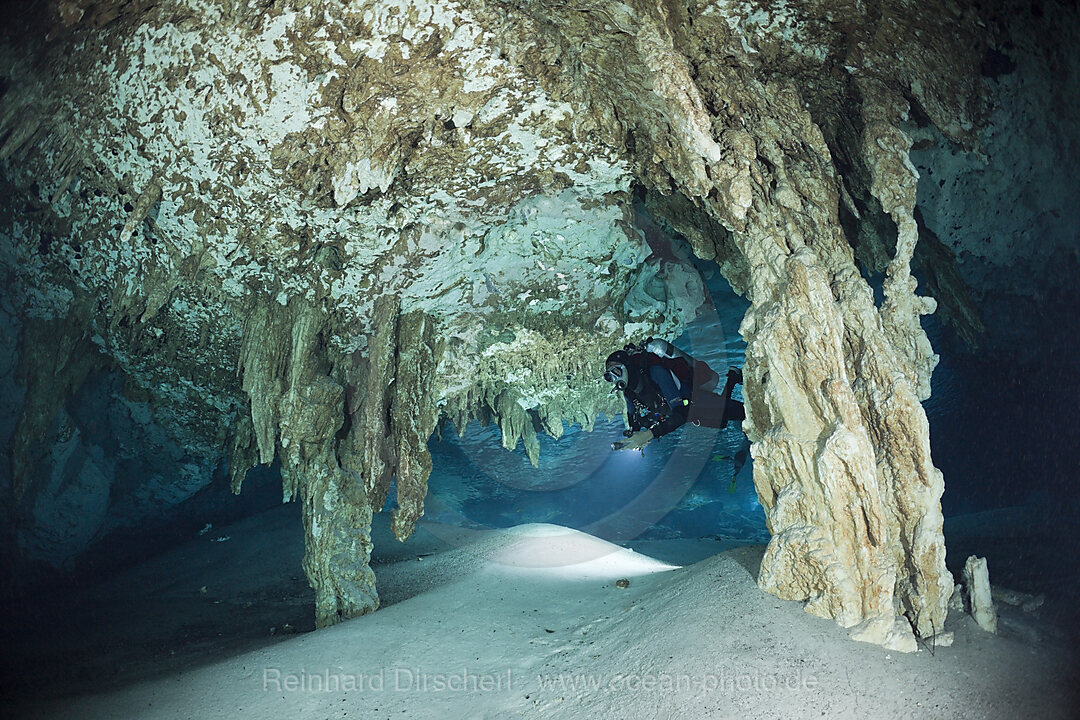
pixel 978 598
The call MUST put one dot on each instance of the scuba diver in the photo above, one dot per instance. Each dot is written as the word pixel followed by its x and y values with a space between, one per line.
pixel 665 388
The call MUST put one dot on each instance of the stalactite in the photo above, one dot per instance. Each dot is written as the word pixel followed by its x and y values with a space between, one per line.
pixel 150 196
pixel 299 406
pixel 262 361
pixel 297 410
pixel 19 125
pixel 413 415
pixel 376 451
pixel 893 180
pixel 515 423
pixel 938 264
pixel 243 454
pixel 551 419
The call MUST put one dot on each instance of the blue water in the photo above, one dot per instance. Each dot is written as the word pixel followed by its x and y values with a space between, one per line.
pixel 679 487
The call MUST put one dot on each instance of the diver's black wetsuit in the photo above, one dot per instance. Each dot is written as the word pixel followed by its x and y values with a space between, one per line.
pixel 664 393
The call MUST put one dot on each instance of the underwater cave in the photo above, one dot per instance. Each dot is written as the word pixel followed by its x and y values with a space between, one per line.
pixel 312 395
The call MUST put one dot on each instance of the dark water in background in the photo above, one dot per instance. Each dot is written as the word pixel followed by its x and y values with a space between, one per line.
pixel 1005 419
pixel 1005 432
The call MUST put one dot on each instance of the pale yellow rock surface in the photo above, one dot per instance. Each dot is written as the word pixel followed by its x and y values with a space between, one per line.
pixel 978 600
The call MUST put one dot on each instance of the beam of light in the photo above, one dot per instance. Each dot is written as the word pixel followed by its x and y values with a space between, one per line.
pixel 561 552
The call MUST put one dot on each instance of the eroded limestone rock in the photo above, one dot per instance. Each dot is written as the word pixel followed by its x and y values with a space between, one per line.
pixel 1025 601
pixel 340 452
pixel 888 631
pixel 385 213
pixel 978 598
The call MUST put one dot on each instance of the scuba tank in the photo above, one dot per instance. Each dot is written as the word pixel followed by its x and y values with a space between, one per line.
pixel 663 348
pixel 705 377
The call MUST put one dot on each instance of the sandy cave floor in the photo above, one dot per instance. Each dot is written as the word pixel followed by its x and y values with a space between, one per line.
pixel 497 624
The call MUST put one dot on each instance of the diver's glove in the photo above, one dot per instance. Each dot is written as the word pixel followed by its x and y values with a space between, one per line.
pixel 635 442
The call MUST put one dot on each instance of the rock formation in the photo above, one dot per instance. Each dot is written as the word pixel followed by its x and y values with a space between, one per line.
pixel 978 598
pixel 310 230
